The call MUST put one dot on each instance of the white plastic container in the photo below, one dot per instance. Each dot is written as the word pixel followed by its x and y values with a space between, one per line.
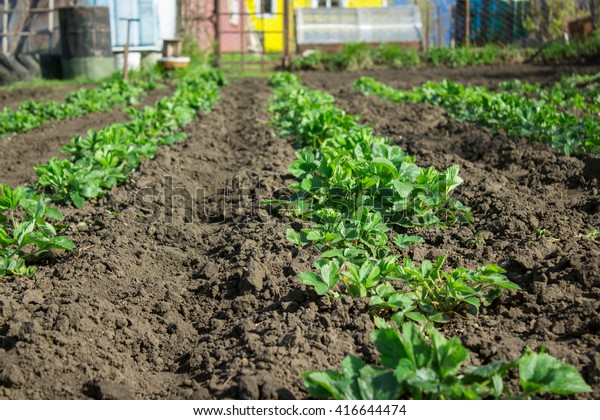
pixel 169 63
pixel 134 60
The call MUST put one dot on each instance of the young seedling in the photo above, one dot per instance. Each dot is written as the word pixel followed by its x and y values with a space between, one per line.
pixel 428 366
pixel 26 235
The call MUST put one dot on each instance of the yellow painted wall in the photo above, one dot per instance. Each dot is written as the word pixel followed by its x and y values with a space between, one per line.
pixel 364 3
pixel 274 41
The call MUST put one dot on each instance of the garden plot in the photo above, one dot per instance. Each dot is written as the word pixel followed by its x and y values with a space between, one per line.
pixel 22 151
pixel 11 97
pixel 536 214
pixel 183 286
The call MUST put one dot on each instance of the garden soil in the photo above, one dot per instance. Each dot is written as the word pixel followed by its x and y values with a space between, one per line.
pixel 22 151
pixel 10 98
pixel 183 285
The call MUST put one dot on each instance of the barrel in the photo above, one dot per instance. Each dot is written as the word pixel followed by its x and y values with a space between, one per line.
pixel 85 42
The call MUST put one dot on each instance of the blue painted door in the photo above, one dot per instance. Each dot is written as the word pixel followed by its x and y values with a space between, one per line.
pixel 143 33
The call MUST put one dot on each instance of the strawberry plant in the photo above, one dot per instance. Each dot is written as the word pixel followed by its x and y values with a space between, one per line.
pixel 31 114
pixel 428 294
pixel 358 56
pixel 366 231
pixel 106 157
pixel 355 187
pixel 98 162
pixel 580 92
pixel 517 115
pixel 428 366
pixel 26 235
pixel 69 183
pixel 345 167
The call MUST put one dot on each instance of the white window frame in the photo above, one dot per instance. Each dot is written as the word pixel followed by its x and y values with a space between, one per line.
pixel 314 4
pixel 257 7
pixel 234 11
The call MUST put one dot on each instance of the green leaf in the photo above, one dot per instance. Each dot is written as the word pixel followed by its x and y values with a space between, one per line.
pixel 405 369
pixel 540 373
pixel 351 367
pixel 331 273
pixel 493 274
pixel 61 242
pixel 89 191
pixel 409 171
pixel 449 355
pixel 403 188
pixel 391 348
pixel 5 239
pixel 10 198
pixel 404 241
pixel 47 228
pixel 439 318
pixel 313 235
pixel 426 380
pixel 330 277
pixel 416 316
pixel 53 214
pixel 400 300
pixel 22 230
pixel 36 238
pixel 378 384
pixel 78 201
pixel 294 237
pixel 386 165
pixel 322 385
pixel 333 253
pixel 312 279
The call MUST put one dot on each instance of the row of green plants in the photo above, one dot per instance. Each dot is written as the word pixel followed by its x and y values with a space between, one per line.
pixel 357 190
pixel 533 119
pixel 359 56
pixel 578 92
pixel 110 93
pixel 28 227
pixel 359 195
pixel 560 51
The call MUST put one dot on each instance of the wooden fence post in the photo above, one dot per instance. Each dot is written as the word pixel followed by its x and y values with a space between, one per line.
pixel 286 34
pixel 217 23
pixel 439 24
pixel 427 25
pixel 467 23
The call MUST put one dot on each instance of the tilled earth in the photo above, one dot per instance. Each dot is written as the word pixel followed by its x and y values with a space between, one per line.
pixel 183 285
pixel 10 98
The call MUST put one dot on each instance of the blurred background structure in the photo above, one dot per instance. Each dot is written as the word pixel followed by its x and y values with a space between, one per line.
pixel 247 32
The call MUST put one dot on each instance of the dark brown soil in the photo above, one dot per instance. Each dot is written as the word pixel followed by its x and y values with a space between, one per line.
pixel 183 286
pixel 11 98
pixel 487 76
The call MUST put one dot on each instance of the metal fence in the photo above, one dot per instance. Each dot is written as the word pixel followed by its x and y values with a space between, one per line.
pixel 522 22
pixel 246 26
